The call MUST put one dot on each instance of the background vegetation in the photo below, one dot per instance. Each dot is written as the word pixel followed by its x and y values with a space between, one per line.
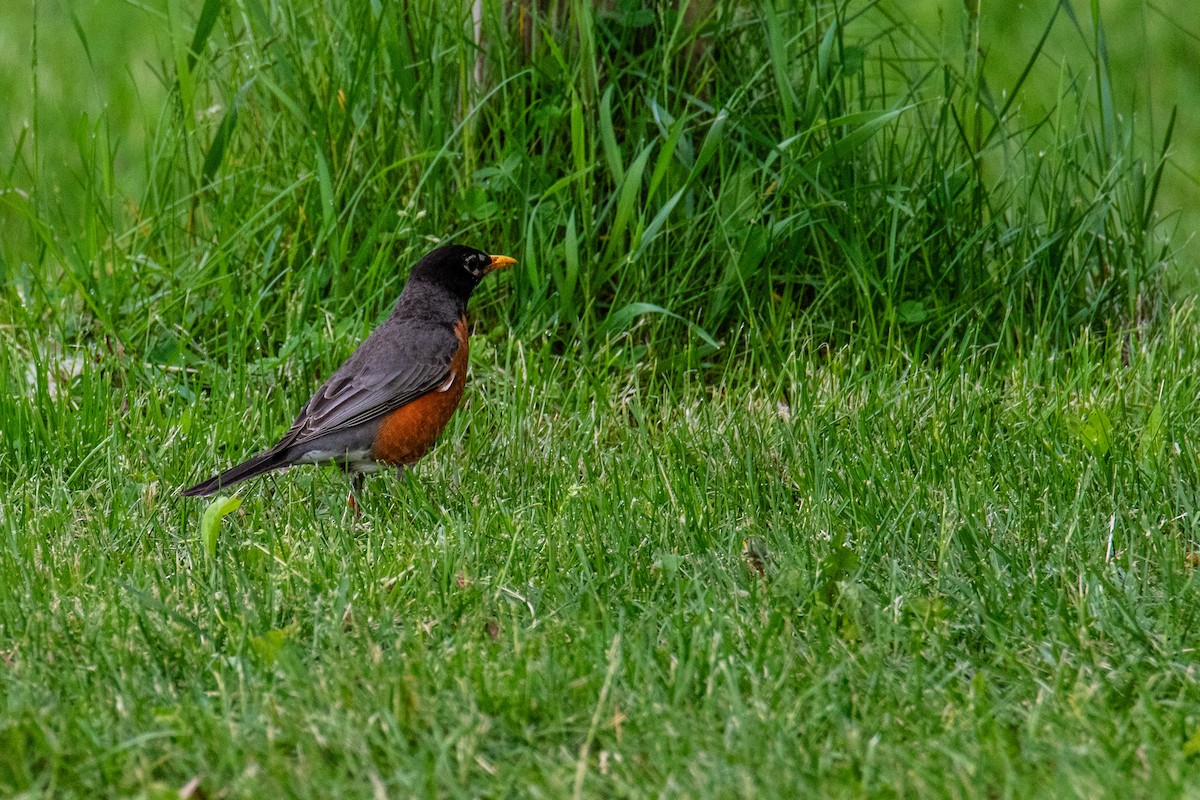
pixel 835 434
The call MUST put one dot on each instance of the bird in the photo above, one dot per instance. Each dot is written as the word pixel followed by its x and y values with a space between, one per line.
pixel 387 404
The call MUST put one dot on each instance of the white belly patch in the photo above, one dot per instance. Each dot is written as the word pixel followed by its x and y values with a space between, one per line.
pixel 354 460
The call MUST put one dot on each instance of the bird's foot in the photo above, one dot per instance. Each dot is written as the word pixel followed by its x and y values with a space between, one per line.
pixel 356 484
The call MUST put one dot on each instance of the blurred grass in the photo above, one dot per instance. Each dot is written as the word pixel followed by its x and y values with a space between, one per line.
pixel 1152 51
pixel 99 69
pixel 855 174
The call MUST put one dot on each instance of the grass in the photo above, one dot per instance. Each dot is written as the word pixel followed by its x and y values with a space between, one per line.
pixel 836 435
pixel 962 596
pixel 852 175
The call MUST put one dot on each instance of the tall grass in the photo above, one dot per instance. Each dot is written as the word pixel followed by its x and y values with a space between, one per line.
pixel 753 165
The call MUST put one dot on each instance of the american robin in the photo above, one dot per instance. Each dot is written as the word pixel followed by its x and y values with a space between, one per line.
pixel 389 402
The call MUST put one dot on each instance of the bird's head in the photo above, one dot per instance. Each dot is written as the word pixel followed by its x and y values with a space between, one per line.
pixel 458 268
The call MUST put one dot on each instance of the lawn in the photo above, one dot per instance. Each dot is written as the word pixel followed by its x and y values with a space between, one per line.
pixel 835 436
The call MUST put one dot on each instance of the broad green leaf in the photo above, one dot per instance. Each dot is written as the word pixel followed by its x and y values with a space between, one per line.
pixel 267 646
pixel 912 311
pixel 1192 746
pixel 210 523
pixel 1096 433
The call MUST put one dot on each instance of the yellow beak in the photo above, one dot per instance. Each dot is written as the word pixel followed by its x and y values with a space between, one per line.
pixel 500 262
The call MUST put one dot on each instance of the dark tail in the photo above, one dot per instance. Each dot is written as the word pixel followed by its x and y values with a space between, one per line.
pixel 263 462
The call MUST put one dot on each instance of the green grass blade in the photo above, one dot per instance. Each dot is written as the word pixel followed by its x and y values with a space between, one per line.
pixel 204 28
pixel 619 320
pixel 865 126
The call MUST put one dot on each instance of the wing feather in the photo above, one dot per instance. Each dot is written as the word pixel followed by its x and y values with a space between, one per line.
pixel 374 381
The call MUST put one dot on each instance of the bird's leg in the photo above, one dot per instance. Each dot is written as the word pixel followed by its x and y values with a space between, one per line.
pixel 356 486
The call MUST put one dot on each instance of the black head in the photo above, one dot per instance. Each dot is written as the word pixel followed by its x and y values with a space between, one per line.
pixel 457 268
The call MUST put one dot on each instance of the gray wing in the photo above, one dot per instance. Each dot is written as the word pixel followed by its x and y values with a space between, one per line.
pixel 375 380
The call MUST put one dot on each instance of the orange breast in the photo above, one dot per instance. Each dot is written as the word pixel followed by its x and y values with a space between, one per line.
pixel 409 431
